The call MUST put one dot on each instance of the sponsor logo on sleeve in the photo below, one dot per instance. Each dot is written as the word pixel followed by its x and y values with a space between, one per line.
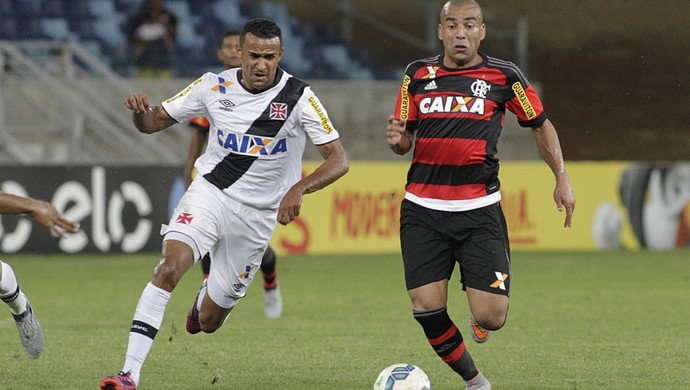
pixel 325 122
pixel 184 91
pixel 524 101
pixel 404 98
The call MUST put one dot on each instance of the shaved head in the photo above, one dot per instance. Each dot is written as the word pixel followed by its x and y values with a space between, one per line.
pixel 446 7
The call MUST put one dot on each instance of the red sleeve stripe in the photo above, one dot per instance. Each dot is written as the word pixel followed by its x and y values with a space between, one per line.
pixel 450 151
pixel 447 192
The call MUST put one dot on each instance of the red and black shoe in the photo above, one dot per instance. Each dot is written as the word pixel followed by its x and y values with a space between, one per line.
pixel 193 326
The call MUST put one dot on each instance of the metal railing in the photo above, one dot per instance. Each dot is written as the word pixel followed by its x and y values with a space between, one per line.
pixel 57 107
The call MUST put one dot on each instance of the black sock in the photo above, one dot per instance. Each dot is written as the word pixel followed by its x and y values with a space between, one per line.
pixel 268 269
pixel 446 340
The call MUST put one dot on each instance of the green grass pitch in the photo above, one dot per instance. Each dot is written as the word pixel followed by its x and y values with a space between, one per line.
pixel 586 320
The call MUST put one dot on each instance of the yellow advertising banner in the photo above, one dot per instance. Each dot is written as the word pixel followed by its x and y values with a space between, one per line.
pixel 619 205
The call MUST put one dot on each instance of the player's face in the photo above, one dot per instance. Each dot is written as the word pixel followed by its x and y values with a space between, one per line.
pixel 228 52
pixel 461 30
pixel 260 58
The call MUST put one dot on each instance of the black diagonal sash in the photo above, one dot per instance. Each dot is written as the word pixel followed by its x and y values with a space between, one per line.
pixel 233 166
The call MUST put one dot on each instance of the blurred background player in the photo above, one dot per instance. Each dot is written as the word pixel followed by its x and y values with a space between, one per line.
pixel 30 331
pixel 230 57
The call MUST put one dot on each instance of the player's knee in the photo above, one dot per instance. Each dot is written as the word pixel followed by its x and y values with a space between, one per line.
pixel 269 257
pixel 167 274
pixel 491 318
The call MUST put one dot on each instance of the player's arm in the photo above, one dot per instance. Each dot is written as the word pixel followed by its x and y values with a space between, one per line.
pixel 40 211
pixel 549 148
pixel 196 145
pixel 147 119
pixel 398 138
pixel 335 165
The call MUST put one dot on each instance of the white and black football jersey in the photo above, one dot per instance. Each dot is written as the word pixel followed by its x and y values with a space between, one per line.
pixel 256 140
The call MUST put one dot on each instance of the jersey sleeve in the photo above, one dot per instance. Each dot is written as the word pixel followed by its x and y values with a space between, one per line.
pixel 524 102
pixel 405 108
pixel 314 119
pixel 189 102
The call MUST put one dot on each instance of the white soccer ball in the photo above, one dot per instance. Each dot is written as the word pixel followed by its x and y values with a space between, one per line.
pixel 402 376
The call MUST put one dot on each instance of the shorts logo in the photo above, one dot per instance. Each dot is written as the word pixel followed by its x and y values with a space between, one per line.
pixel 246 273
pixel 185 218
pixel 221 87
pixel 500 281
pixel 278 111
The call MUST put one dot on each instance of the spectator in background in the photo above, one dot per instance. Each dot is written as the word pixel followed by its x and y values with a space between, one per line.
pixel 229 55
pixel 151 35
pixel 30 331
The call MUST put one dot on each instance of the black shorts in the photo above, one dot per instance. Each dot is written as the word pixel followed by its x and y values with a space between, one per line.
pixel 432 241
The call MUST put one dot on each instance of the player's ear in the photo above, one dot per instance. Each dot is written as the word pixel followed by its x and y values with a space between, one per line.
pixel 482 33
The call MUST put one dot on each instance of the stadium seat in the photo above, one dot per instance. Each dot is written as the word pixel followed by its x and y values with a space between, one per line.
pixel 229 12
pixel 102 8
pixel 6 8
pixel 28 8
pixel 53 8
pixel 109 32
pixel 56 28
pixel 8 28
pixel 30 27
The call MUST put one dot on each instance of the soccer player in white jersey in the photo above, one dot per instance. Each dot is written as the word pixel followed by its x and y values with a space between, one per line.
pixel 249 179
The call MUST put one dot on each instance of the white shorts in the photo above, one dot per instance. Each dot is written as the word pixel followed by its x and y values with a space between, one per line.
pixel 236 236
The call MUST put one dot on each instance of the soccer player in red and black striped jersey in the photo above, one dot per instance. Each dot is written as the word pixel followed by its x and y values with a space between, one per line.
pixel 230 57
pixel 451 108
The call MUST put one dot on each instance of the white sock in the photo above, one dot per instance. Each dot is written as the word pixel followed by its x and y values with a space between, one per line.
pixel 478 382
pixel 147 320
pixel 9 290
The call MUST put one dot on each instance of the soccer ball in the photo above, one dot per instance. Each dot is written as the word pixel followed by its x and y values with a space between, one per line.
pixel 402 376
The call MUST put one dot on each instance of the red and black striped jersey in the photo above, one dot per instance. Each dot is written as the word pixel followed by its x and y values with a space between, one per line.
pixel 457 116
pixel 200 122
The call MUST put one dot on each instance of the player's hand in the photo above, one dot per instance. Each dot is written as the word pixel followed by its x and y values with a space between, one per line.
pixel 45 214
pixel 565 199
pixel 139 102
pixel 395 130
pixel 290 205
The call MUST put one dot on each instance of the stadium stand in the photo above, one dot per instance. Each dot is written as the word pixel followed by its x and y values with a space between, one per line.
pixel 313 51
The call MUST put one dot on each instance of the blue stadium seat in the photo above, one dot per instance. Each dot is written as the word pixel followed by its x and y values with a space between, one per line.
pixel 102 8
pixel 229 12
pixel 56 28
pixel 8 27
pixel 83 27
pixel 53 8
pixel 28 8
pixel 6 8
pixel 109 32
pixel 29 27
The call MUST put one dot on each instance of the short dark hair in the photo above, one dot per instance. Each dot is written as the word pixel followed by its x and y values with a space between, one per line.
pixel 228 33
pixel 261 28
